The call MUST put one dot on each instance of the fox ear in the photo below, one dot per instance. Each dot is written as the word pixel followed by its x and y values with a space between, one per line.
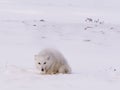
pixel 35 57
pixel 48 58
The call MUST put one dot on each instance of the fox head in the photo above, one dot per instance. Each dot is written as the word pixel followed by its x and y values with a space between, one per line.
pixel 42 63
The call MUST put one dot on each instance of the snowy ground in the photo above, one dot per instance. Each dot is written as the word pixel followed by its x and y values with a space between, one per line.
pixel 88 38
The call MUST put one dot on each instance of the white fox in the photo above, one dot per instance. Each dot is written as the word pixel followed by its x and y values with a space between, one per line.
pixel 51 61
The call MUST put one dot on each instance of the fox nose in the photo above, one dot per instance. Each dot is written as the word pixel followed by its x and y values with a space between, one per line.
pixel 42 69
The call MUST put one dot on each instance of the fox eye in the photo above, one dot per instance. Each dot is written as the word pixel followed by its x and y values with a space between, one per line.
pixel 39 63
pixel 44 62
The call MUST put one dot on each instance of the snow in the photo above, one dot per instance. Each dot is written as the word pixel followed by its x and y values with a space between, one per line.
pixel 87 32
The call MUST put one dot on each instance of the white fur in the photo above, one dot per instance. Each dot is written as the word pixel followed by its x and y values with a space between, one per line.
pixel 51 61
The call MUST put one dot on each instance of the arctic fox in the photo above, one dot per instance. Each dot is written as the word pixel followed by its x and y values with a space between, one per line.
pixel 51 61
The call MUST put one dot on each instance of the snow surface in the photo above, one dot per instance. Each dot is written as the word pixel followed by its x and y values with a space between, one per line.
pixel 87 32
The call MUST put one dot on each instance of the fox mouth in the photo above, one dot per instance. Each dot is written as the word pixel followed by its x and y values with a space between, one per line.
pixel 43 73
